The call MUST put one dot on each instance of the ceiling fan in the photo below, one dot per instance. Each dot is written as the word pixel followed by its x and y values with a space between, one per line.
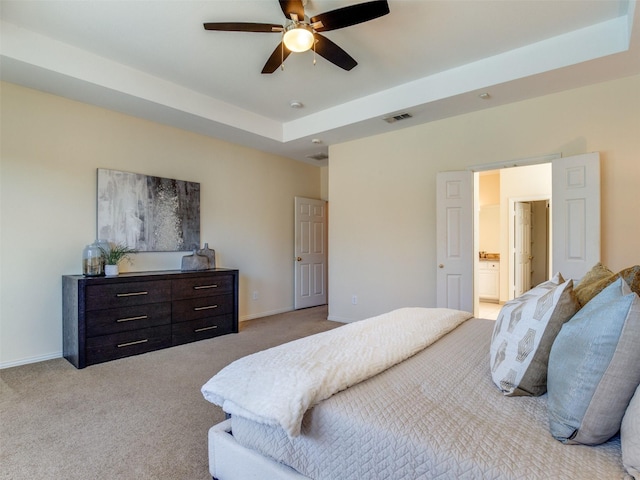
pixel 301 33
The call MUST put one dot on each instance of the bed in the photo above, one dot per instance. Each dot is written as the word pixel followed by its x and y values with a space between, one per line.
pixel 435 414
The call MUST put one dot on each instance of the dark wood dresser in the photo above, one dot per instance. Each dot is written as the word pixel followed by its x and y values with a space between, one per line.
pixel 104 318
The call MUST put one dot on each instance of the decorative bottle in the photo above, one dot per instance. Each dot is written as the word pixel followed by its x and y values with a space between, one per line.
pixel 195 261
pixel 92 261
pixel 210 254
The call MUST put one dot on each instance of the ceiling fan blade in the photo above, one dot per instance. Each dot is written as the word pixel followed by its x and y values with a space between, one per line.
pixel 334 53
pixel 351 15
pixel 243 27
pixel 292 6
pixel 276 59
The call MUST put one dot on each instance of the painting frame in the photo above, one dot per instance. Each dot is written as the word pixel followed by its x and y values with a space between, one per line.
pixel 148 213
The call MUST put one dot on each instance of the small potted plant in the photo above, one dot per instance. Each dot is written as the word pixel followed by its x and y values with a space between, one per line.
pixel 115 253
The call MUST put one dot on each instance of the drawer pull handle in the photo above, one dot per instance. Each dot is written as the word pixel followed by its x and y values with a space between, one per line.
pixel 128 319
pixel 132 294
pixel 208 307
pixel 128 344
pixel 200 287
pixel 205 328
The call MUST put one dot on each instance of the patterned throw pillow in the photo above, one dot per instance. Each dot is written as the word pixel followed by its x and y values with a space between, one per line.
pixel 524 332
pixel 630 437
pixel 589 287
pixel 584 289
pixel 593 367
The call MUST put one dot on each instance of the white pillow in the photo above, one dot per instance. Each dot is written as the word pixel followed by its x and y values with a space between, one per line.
pixel 524 332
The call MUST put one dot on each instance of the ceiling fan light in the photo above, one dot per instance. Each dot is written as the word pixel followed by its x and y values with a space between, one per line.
pixel 298 39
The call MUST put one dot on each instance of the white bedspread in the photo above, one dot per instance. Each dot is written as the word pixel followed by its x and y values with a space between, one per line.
pixel 437 415
pixel 277 386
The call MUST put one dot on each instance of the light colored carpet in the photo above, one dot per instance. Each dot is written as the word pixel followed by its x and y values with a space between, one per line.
pixel 141 417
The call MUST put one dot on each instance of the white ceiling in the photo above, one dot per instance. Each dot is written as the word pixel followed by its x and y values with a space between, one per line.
pixel 431 58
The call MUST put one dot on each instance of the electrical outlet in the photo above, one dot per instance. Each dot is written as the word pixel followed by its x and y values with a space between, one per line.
pixel 255 295
pixel 354 299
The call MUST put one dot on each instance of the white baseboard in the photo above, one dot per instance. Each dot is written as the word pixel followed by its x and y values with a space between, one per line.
pixel 25 361
pixel 334 318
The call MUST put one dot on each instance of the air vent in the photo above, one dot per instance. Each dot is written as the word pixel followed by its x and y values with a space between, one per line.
pixel 397 118
pixel 318 156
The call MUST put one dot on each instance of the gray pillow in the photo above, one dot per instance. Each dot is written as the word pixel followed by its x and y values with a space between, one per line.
pixel 593 367
pixel 524 332
pixel 630 437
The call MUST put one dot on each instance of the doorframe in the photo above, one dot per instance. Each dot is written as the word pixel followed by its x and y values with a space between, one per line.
pixel 312 260
pixel 476 169
pixel 523 162
pixel 511 214
pixel 576 223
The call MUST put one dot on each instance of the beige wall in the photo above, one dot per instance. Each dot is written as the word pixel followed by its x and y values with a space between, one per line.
pixel 489 215
pixel 324 182
pixel 51 148
pixel 489 225
pixel 382 189
pixel 489 190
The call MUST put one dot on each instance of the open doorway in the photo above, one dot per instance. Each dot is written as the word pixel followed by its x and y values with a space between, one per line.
pixel 529 240
pixel 574 234
pixel 514 234
pixel 540 241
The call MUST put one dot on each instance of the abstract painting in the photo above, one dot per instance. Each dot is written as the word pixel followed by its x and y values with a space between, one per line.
pixel 150 214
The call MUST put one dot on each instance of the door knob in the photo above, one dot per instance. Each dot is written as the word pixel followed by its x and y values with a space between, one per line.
pixel 299 259
pixel 441 266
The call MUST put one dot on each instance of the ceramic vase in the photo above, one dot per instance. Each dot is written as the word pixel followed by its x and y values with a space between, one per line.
pixel 111 270
pixel 195 261
pixel 210 254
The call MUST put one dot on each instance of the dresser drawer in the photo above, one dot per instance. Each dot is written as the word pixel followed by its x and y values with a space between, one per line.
pixel 126 294
pixel 185 332
pixel 105 318
pixel 201 286
pixel 193 308
pixel 119 345
pixel 123 319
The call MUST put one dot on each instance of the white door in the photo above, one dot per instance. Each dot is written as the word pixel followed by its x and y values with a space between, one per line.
pixel 575 214
pixel 522 248
pixel 310 253
pixel 454 225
